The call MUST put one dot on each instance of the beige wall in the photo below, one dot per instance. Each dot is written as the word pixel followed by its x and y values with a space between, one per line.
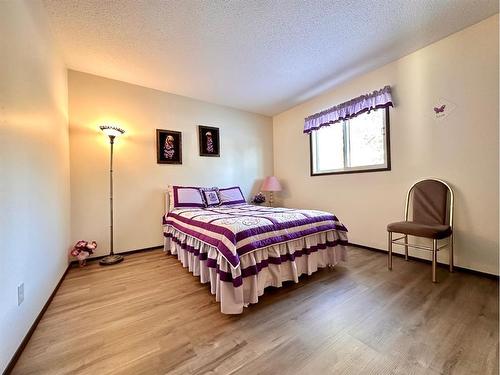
pixel 246 156
pixel 462 149
pixel 34 169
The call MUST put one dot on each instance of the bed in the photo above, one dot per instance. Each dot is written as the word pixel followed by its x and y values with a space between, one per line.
pixel 240 249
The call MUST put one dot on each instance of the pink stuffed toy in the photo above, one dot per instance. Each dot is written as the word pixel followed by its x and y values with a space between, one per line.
pixel 82 250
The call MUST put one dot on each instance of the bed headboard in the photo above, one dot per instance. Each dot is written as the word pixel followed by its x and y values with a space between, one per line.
pixel 167 201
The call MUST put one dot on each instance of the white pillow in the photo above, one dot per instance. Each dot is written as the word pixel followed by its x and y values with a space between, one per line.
pixel 231 195
pixel 186 196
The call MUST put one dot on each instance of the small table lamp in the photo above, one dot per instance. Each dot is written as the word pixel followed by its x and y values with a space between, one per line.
pixel 112 132
pixel 271 184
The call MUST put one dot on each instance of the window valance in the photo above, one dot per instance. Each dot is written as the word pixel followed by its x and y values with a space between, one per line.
pixel 354 107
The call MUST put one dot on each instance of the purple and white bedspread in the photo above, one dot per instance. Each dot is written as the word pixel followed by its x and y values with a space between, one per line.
pixel 242 249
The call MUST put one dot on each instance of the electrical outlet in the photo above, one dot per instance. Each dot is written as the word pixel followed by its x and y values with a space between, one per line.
pixel 20 294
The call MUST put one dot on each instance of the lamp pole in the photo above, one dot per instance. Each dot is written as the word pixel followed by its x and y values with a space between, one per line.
pixel 111 142
pixel 112 132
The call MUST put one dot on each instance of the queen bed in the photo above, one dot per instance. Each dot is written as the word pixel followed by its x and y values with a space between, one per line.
pixel 241 249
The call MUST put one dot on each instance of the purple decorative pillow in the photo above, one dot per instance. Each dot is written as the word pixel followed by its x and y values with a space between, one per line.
pixel 232 195
pixel 210 196
pixel 187 196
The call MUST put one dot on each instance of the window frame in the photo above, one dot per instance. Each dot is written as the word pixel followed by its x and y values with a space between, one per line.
pixel 362 169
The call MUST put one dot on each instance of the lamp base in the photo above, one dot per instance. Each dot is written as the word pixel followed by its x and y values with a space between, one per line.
pixel 111 259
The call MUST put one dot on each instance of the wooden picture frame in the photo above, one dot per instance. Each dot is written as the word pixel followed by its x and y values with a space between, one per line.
pixel 209 141
pixel 168 146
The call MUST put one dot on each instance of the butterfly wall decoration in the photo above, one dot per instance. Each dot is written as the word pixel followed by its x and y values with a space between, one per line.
pixel 438 110
pixel 442 108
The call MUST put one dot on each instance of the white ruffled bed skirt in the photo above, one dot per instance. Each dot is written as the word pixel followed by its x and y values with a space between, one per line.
pixel 237 287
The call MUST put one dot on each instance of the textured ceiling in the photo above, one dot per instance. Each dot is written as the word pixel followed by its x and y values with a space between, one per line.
pixel 262 56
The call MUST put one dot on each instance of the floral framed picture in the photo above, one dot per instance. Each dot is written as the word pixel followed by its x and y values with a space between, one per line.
pixel 209 140
pixel 168 147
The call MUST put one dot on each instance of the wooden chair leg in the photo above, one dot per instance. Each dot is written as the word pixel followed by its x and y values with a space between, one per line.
pixel 451 253
pixel 389 259
pixel 434 260
pixel 406 247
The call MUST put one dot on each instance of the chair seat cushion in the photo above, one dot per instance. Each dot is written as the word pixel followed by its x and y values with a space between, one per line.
pixel 436 231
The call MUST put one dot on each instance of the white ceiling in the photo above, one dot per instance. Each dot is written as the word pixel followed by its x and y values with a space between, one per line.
pixel 263 56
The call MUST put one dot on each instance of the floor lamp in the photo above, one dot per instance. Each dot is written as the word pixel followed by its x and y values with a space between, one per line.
pixel 112 132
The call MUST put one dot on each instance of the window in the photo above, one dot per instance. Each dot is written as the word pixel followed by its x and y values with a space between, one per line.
pixel 360 144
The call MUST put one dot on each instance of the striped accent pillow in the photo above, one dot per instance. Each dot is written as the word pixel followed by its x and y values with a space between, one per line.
pixel 210 196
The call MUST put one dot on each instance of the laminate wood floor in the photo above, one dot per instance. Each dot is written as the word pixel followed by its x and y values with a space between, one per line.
pixel 149 315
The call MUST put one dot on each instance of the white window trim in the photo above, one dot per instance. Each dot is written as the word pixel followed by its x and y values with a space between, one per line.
pixel 386 166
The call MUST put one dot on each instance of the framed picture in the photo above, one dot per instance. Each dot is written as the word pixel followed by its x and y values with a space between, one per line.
pixel 209 141
pixel 168 147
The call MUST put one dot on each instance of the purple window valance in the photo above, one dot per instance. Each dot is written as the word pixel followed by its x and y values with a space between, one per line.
pixel 354 107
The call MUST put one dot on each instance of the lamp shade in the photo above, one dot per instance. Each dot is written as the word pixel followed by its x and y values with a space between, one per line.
pixel 112 131
pixel 271 183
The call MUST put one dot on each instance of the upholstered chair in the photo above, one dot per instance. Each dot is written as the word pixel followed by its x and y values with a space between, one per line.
pixel 431 203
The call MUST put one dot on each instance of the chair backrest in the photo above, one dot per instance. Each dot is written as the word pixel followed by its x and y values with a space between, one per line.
pixel 430 202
